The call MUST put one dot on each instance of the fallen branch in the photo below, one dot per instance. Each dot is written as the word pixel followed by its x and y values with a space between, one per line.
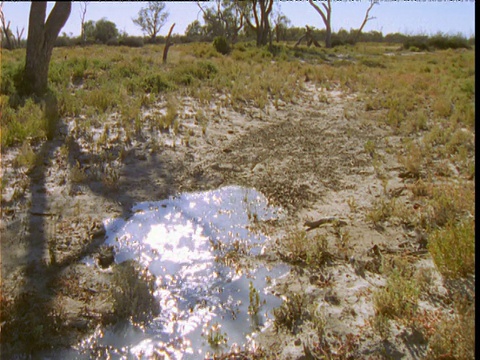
pixel 315 224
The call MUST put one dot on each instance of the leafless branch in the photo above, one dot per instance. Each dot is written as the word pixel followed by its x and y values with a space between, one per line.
pixel 366 19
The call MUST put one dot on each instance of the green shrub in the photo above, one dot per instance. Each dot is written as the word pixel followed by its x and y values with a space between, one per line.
pixel 221 45
pixel 416 43
pixel 131 41
pixel 454 338
pixel 453 249
pixel 373 63
pixel 186 74
pixel 156 83
pixel 26 121
pixel 113 42
pixel 439 41
pixel 8 78
pixel 206 69
pixel 442 42
pixel 63 41
pixel 399 297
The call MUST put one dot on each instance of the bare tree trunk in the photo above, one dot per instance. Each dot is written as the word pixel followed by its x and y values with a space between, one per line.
pixel 19 37
pixel 83 13
pixel 357 35
pixel 41 38
pixel 6 30
pixel 167 44
pixel 328 37
pixel 262 21
pixel 326 15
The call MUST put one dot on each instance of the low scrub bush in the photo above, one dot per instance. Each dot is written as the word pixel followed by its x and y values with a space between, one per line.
pixel 29 322
pixel 442 42
pixel 291 314
pixel 399 297
pixel 438 41
pixel 454 338
pixel 26 121
pixel 187 74
pixel 453 249
pixel 303 250
pixel 220 44
pixel 156 83
pixel 131 41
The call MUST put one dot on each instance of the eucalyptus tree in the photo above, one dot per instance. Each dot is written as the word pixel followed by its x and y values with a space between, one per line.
pixel 41 39
pixel 224 18
pixel 326 14
pixel 152 18
pixel 257 16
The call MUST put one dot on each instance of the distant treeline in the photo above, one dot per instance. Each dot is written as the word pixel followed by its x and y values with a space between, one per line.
pixel 291 34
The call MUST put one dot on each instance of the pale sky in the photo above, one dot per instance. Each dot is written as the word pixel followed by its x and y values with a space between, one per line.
pixel 408 17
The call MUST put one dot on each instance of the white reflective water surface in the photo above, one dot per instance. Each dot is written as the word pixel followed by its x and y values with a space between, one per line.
pixel 185 241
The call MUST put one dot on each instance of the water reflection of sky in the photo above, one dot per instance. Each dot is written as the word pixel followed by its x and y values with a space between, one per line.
pixel 175 240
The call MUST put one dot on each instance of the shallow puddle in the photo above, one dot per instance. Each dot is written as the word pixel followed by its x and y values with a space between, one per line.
pixel 200 247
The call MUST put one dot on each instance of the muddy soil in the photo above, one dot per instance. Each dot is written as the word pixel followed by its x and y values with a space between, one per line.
pixel 308 157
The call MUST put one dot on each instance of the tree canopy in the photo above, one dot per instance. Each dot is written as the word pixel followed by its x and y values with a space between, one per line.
pixel 152 18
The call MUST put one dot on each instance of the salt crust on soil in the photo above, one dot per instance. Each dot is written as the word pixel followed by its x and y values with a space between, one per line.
pixel 307 157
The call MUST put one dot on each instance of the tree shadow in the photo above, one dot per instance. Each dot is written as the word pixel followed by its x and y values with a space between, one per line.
pixel 34 321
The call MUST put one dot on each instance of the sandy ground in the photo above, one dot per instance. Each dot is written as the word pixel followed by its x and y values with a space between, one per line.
pixel 309 157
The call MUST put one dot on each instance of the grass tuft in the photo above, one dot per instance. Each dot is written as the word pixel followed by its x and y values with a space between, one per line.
pixel 453 249
pixel 133 293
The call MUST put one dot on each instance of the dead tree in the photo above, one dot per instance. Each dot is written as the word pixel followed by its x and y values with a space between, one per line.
pixel 167 44
pixel 19 37
pixel 308 36
pixel 7 34
pixel 372 3
pixel 83 13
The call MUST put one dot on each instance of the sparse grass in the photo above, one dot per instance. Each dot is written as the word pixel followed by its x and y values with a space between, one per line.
pixel 448 203
pixel 77 174
pixel 26 157
pixel 132 293
pixel 369 147
pixel 309 251
pixel 428 99
pixel 21 123
pixel 214 336
pixel 169 120
pixel 413 160
pixel 29 323
pixel 291 314
pixel 453 337
pixel 254 299
pixel 381 211
pixel 399 298
pixel 453 248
